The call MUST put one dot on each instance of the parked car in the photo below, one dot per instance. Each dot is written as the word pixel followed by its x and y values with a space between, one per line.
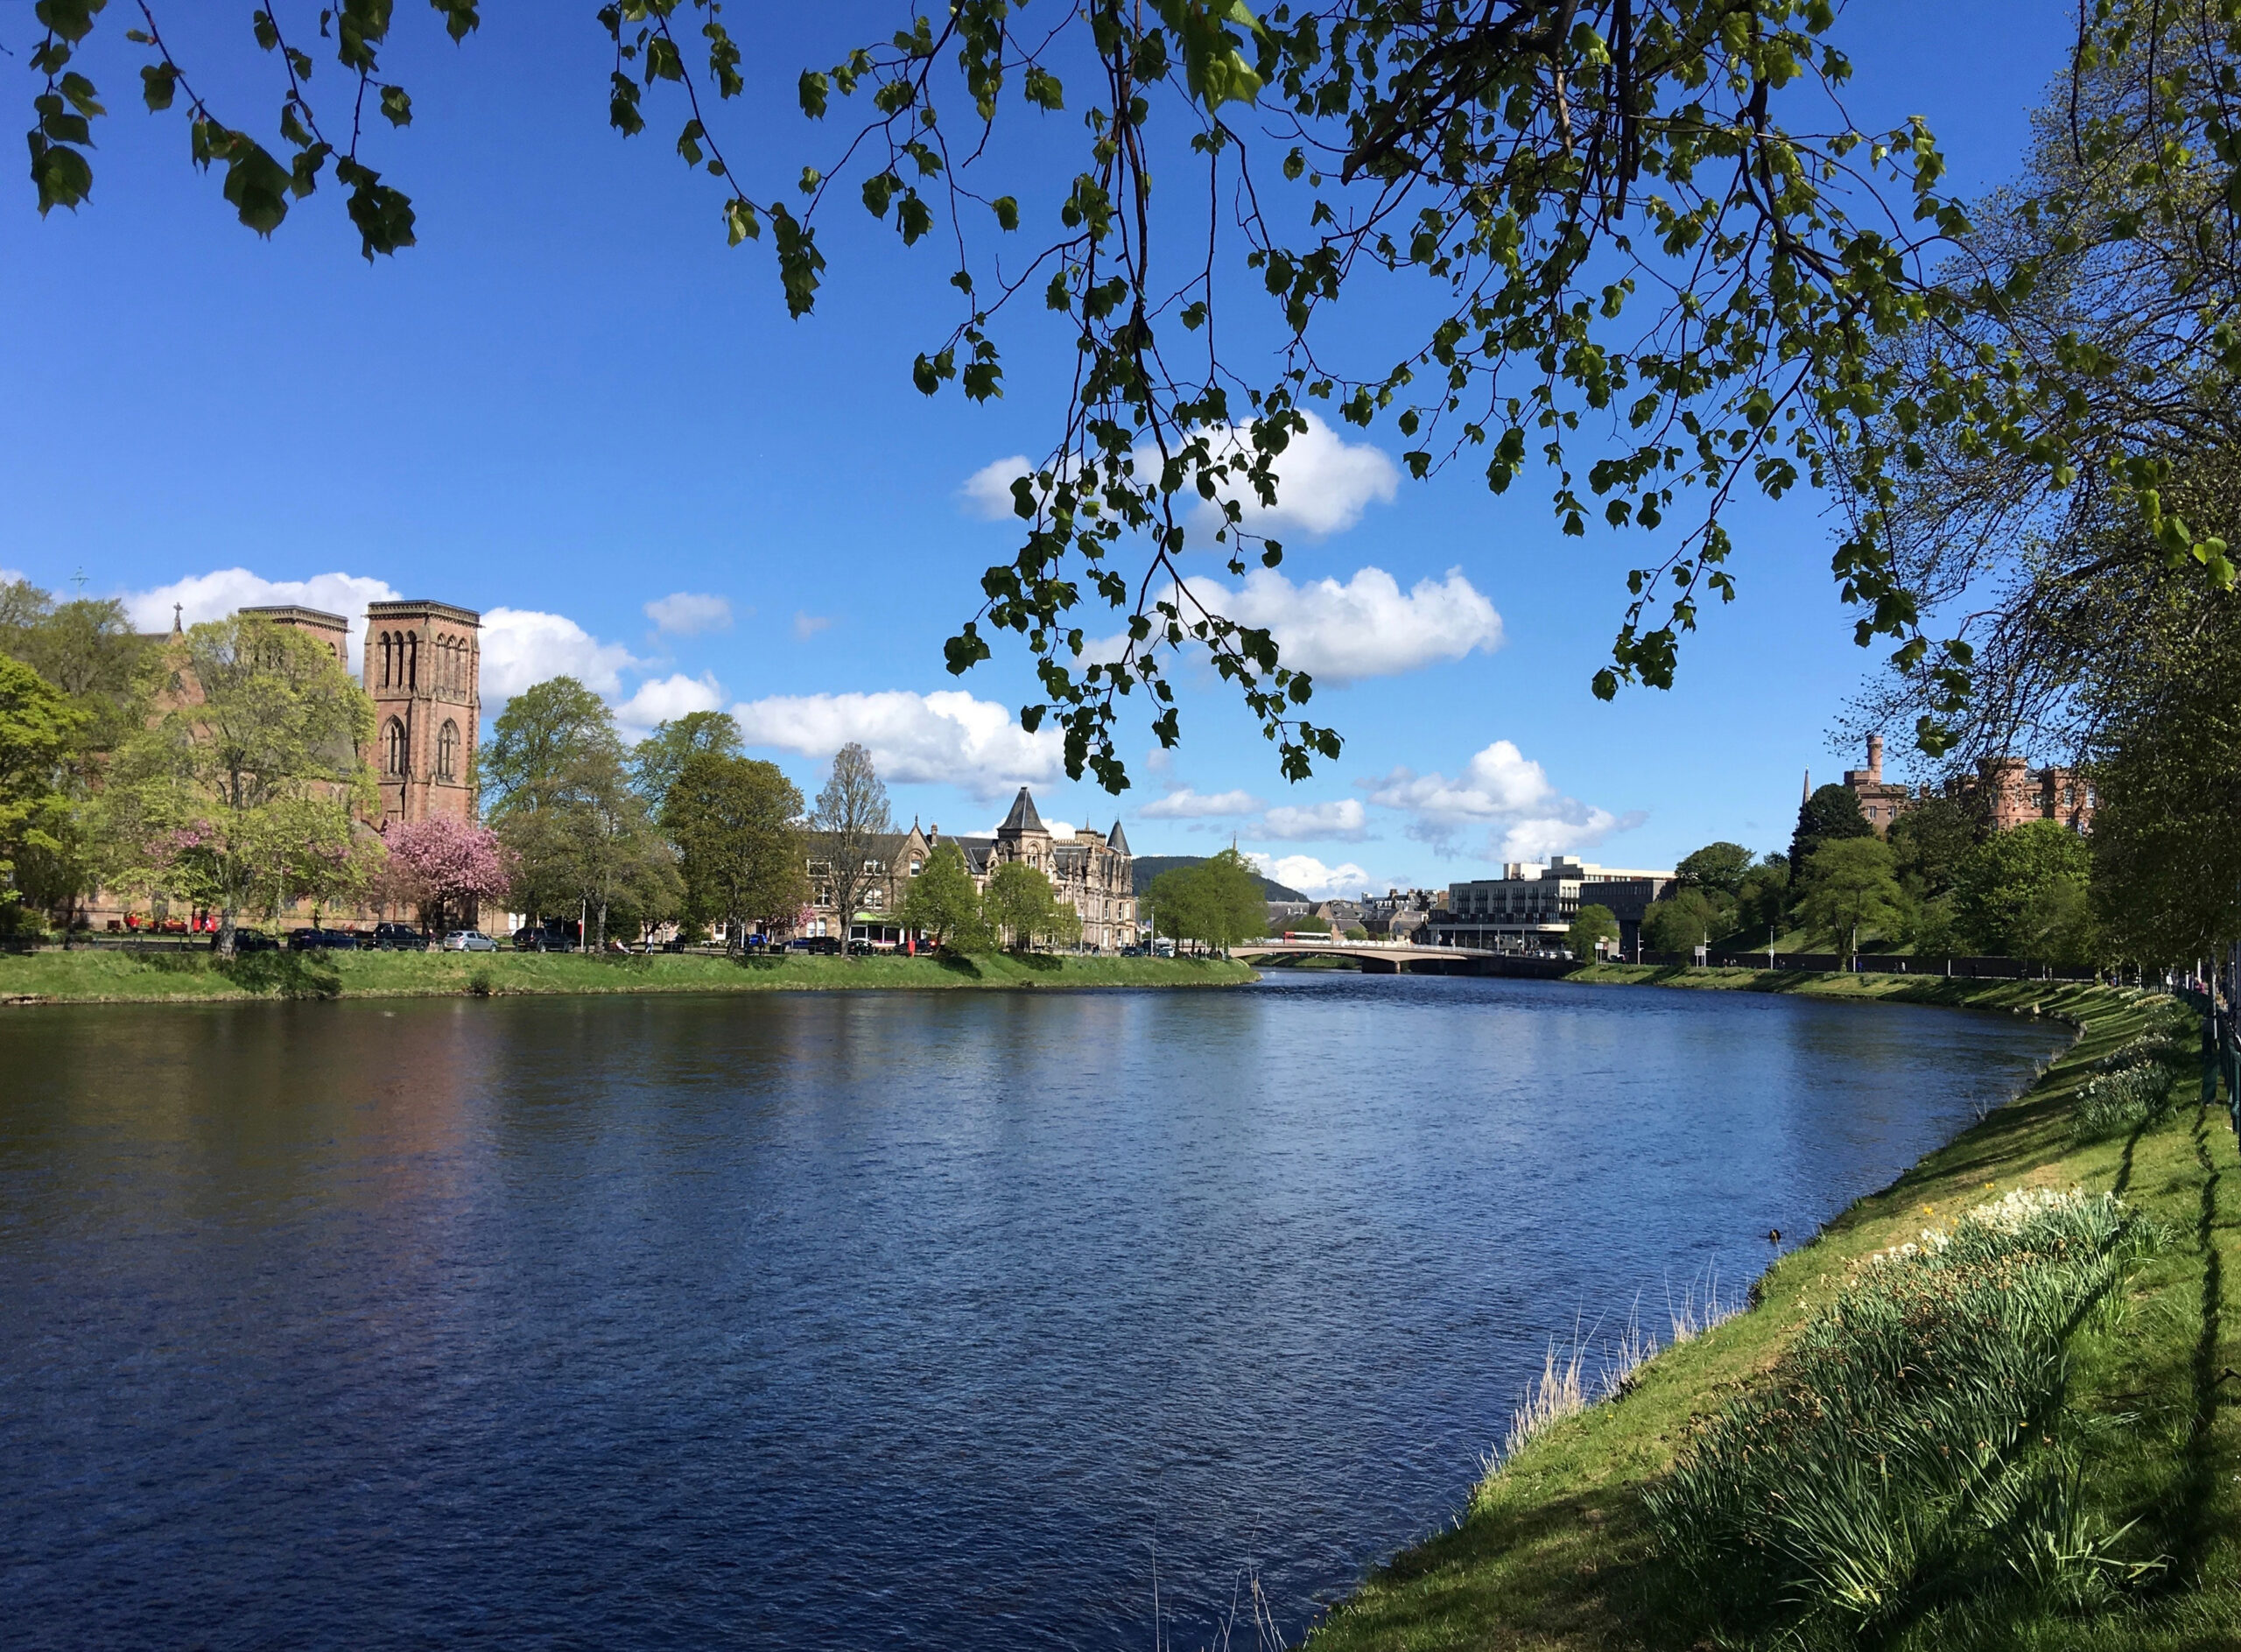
pixel 393 937
pixel 822 945
pixel 554 937
pixel 307 940
pixel 469 940
pixel 249 940
pixel 861 949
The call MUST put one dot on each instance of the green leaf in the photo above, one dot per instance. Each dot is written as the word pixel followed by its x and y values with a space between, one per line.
pixel 1006 211
pixel 159 83
pixel 739 222
pixel 397 105
pixel 62 175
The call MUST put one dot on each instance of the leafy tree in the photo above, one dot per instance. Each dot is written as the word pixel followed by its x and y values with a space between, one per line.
pixel 1931 929
pixel 656 760
pixel 850 824
pixel 541 745
pixel 87 649
pixel 1684 921
pixel 249 782
pixel 2017 893
pixel 1849 887
pixel 1718 869
pixel 442 866
pixel 1019 905
pixel 38 731
pixel 2166 833
pixel 1830 815
pixel 942 902
pixel 1217 902
pixel 579 830
pixel 1928 843
pixel 737 823
pixel 1592 924
pixel 1062 929
pixel 1640 216
pixel 1763 898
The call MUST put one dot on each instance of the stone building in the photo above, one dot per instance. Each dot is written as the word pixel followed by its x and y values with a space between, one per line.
pixel 1880 801
pixel 2006 792
pixel 2009 792
pixel 1094 872
pixel 423 672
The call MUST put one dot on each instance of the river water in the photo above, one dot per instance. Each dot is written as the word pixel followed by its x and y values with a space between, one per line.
pixel 856 1320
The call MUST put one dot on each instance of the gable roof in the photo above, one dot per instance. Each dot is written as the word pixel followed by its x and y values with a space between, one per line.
pixel 1022 817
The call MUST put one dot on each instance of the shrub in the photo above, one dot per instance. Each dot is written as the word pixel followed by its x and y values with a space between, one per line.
pixel 1909 1443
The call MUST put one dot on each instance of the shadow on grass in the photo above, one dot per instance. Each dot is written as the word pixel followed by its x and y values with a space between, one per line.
pixel 759 960
pixel 958 964
pixel 1043 963
pixel 284 974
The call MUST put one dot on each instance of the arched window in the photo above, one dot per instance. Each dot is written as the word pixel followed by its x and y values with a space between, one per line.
pixel 413 659
pixel 385 665
pixel 448 751
pixel 397 750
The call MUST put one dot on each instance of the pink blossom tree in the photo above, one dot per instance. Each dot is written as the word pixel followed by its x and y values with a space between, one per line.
pixel 441 866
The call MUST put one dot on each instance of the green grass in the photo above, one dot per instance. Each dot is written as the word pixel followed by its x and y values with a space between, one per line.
pixel 1557 1548
pixel 118 977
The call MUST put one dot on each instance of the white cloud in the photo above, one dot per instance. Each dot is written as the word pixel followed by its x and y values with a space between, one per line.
pixel 1310 877
pixel 1365 628
pixel 1186 804
pixel 1502 788
pixel 10 576
pixel 988 492
pixel 665 700
pixel 1342 821
pixel 1324 483
pixel 213 596
pixel 808 625
pixel 522 648
pixel 914 739
pixel 690 612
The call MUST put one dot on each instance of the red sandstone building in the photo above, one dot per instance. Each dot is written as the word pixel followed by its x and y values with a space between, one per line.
pixel 2008 790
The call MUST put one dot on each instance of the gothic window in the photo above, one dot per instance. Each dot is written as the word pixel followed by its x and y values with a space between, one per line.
pixel 397 750
pixel 385 650
pixel 413 659
pixel 448 751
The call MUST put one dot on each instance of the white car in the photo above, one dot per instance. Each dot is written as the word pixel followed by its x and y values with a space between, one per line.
pixel 469 940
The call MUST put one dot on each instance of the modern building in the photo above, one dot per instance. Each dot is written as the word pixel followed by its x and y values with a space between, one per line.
pixel 1531 906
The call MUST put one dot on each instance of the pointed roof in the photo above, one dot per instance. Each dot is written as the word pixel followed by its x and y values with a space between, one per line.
pixel 1117 840
pixel 1022 817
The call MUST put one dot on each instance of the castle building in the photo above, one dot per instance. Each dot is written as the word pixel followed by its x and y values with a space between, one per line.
pixel 1880 801
pixel 1094 872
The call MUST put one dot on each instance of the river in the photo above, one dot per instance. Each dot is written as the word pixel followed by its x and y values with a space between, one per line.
pixel 857 1319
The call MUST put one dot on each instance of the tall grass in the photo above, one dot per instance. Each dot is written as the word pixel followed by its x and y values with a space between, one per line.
pixel 1909 1447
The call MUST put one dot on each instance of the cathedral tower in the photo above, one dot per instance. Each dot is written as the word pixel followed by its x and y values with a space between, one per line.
pixel 424 670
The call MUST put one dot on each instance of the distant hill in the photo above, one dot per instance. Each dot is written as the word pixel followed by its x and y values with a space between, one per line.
pixel 1150 866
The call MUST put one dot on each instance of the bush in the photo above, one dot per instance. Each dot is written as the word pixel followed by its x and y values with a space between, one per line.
pixel 1908 1446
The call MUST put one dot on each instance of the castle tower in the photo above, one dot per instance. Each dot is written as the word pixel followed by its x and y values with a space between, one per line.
pixel 424 670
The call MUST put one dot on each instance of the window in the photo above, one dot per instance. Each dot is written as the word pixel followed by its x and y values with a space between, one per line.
pixel 396 750
pixel 413 659
pixel 914 866
pixel 386 651
pixel 448 751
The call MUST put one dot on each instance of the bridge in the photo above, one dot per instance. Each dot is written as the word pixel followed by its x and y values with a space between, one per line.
pixel 1394 957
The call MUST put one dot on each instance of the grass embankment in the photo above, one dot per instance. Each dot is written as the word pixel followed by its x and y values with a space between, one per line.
pixel 160 977
pixel 1792 1420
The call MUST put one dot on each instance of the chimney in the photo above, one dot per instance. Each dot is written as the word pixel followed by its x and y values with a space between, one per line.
pixel 1875 759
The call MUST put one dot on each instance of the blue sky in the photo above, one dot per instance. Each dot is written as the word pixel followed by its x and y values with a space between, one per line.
pixel 571 406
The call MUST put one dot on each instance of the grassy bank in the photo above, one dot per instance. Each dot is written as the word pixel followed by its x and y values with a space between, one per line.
pixel 119 977
pixel 2108 1516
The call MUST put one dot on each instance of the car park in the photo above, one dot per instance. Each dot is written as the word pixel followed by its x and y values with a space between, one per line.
pixel 469 940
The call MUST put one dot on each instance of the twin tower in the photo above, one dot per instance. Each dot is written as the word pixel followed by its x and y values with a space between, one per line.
pixel 424 670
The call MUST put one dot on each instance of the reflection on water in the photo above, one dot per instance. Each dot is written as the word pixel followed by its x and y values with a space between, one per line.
pixel 853 1320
